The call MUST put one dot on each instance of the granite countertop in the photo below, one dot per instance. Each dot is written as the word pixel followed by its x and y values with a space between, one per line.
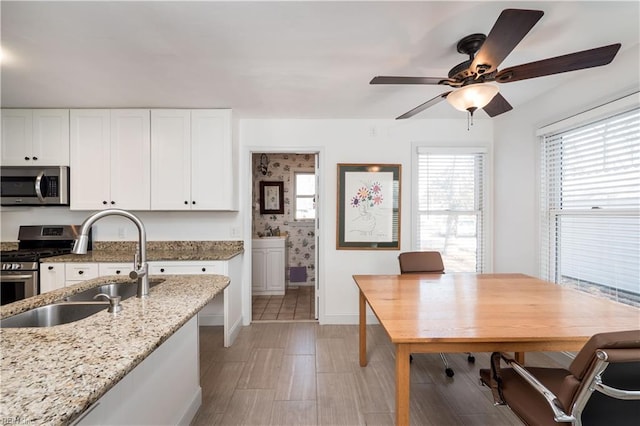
pixel 51 375
pixel 156 251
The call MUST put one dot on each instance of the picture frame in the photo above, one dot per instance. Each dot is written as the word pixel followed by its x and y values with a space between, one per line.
pixel 368 207
pixel 271 197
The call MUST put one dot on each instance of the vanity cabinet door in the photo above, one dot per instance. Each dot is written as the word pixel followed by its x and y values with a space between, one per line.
pixel 52 276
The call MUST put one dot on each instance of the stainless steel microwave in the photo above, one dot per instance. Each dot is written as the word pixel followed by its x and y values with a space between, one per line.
pixel 34 186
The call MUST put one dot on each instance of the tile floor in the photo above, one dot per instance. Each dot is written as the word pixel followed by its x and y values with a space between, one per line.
pixel 296 304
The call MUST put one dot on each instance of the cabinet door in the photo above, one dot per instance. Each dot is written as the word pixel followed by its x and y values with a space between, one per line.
pixel 130 168
pixel 52 276
pixel 50 137
pixel 17 135
pixel 259 269
pixel 170 159
pixel 90 159
pixel 275 269
pixel 212 160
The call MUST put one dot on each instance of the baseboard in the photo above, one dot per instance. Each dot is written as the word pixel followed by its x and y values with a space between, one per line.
pixel 234 330
pixel 210 319
pixel 192 409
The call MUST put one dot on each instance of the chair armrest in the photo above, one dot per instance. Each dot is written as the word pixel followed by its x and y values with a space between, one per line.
pixel 613 356
pixel 553 401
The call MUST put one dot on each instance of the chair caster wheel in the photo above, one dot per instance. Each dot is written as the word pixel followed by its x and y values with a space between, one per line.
pixel 449 372
pixel 471 359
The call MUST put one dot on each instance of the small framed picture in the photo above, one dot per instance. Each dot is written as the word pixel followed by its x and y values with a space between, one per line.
pixel 271 197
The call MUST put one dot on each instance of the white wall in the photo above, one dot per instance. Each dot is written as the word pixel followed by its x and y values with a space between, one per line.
pixel 351 141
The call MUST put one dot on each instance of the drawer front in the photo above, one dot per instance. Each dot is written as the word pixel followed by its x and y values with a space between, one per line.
pixel 81 271
pixel 122 269
pixel 187 268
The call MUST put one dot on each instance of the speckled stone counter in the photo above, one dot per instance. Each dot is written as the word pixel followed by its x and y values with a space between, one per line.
pixel 114 251
pixel 51 375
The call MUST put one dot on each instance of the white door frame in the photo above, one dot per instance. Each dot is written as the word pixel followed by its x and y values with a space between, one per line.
pixel 246 201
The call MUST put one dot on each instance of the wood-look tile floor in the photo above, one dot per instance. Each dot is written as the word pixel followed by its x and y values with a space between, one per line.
pixel 297 304
pixel 303 373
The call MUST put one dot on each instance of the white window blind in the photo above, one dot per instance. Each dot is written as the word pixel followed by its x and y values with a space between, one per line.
pixel 305 195
pixel 451 207
pixel 590 207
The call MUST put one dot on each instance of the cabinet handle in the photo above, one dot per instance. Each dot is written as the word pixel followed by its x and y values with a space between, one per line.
pixel 204 269
pixel 35 158
pixel 80 272
pixel 27 158
pixel 113 202
pixel 50 268
pixel 118 272
pixel 193 202
pixel 161 269
pixel 104 202
pixel 186 202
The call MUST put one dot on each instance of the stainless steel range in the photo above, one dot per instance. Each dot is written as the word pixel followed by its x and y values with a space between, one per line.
pixel 20 273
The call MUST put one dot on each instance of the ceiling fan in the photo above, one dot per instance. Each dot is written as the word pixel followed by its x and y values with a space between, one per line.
pixel 469 78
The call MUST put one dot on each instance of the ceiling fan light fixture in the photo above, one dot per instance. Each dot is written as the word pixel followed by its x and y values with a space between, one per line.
pixel 472 97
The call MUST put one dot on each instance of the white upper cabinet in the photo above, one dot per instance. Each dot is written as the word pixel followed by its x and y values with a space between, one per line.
pixel 110 159
pixel 171 159
pixel 38 137
pixel 192 160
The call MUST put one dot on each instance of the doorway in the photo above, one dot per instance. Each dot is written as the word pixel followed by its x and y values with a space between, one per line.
pixel 284 229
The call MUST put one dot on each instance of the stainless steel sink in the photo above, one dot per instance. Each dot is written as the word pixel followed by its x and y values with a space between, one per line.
pixel 54 314
pixel 124 290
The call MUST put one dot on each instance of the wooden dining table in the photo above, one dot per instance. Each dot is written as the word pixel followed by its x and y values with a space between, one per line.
pixel 431 313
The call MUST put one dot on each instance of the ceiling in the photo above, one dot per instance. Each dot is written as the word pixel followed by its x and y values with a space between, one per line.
pixel 276 59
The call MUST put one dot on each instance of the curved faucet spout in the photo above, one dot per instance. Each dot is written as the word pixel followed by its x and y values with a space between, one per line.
pixel 140 263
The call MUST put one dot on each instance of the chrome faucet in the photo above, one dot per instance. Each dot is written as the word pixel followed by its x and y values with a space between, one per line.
pixel 140 266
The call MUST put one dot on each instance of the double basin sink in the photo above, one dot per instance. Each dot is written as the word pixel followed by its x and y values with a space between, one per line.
pixel 75 307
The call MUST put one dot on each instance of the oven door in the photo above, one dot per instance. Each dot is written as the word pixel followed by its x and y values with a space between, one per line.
pixel 17 285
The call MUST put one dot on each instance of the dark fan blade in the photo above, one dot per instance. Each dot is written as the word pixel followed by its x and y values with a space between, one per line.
pixel 511 27
pixel 420 108
pixel 406 80
pixel 497 106
pixel 571 62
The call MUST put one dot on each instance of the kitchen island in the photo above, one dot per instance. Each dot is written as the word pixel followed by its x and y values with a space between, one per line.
pixel 52 375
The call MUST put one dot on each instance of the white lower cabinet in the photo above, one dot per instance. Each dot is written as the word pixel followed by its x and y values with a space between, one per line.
pixel 162 389
pixel 225 310
pixel 268 266
pixel 52 276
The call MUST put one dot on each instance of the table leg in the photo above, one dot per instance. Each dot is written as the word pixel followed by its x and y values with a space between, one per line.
pixel 363 330
pixel 403 383
pixel 519 356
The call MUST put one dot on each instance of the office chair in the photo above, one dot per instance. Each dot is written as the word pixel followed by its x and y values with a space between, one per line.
pixel 601 386
pixel 427 262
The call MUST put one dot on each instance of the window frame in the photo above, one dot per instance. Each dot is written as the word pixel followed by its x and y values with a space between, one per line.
pixel 487 226
pixel 550 193
pixel 294 197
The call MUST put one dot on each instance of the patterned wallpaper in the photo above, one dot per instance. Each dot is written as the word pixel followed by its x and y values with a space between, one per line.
pixel 300 241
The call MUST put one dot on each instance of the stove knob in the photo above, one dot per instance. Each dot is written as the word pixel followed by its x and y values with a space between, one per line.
pixel 17 266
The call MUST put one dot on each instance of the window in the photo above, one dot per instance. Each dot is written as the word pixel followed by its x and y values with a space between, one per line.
pixel 304 187
pixel 450 216
pixel 590 201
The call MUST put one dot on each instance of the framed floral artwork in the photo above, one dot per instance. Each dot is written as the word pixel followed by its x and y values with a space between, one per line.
pixel 368 207
pixel 271 197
